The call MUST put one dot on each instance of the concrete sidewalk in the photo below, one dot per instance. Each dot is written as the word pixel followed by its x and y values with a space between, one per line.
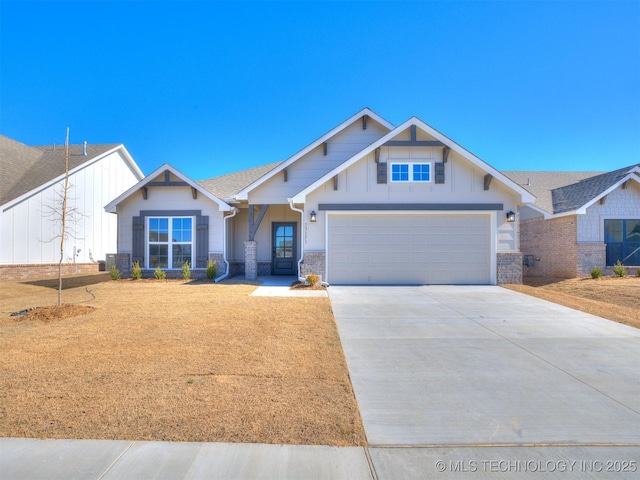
pixel 23 459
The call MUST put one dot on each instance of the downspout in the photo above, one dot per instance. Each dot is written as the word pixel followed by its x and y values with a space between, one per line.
pixel 301 235
pixel 224 246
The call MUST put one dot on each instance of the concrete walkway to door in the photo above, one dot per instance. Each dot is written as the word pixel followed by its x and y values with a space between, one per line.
pixel 460 370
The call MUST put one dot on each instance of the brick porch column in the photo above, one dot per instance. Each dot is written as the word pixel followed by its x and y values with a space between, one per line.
pixel 251 259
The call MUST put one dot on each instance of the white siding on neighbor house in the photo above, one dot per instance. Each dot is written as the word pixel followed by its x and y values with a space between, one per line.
pixel 464 184
pixel 619 204
pixel 315 164
pixel 29 234
pixel 240 229
pixel 168 198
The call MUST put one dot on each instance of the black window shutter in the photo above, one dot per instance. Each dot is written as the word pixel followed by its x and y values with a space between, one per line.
pixel 137 254
pixel 382 173
pixel 202 241
pixel 439 172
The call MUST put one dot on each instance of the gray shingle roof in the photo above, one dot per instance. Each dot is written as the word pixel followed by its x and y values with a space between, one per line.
pixel 228 185
pixel 559 192
pixel 26 168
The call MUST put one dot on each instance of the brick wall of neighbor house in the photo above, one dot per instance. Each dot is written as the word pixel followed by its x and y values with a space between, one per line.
pixel 509 267
pixel 313 262
pixel 551 245
pixel 591 255
pixel 45 270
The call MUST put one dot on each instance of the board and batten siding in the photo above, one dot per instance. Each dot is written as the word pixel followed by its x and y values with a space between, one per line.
pixel 28 232
pixel 173 199
pixel 315 164
pixel 464 184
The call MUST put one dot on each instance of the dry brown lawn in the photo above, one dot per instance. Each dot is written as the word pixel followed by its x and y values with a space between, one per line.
pixel 614 298
pixel 172 360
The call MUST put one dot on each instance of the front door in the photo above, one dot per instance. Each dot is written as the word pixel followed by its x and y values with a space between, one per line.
pixel 284 248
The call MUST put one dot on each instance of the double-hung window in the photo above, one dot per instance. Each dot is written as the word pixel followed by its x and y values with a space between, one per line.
pixel 405 172
pixel 623 241
pixel 170 242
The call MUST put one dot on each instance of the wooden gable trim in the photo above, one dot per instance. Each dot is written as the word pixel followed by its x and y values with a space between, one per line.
pixel 167 182
pixel 413 142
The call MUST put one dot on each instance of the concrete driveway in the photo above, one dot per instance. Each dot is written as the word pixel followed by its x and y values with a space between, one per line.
pixel 451 372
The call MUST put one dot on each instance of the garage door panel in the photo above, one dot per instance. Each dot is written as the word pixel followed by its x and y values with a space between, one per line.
pixel 409 249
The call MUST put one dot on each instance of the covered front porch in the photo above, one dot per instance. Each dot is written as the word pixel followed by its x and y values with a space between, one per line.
pixel 265 240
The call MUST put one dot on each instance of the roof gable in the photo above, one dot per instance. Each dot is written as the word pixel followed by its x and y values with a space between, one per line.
pixel 568 193
pixel 364 114
pixel 579 196
pixel 165 171
pixel 399 136
pixel 26 170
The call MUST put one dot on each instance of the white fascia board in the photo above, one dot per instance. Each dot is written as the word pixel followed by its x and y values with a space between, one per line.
pixel 526 196
pixel 111 207
pixel 127 157
pixel 244 194
pixel 130 161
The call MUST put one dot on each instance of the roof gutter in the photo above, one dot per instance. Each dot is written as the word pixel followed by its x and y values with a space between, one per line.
pixel 224 246
pixel 301 235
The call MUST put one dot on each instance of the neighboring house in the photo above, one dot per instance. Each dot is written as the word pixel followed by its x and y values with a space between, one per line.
pixel 580 220
pixel 366 203
pixel 30 206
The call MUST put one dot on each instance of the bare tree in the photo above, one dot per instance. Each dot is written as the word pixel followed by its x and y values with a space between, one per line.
pixel 63 213
pixel 63 217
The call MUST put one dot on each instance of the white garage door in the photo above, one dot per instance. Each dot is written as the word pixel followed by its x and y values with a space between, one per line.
pixel 419 249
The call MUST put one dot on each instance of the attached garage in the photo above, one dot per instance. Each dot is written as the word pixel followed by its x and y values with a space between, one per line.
pixel 409 248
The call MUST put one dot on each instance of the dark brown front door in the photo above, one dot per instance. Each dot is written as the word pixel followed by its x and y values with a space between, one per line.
pixel 284 248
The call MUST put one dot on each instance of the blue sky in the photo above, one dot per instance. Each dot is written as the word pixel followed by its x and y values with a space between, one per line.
pixel 214 87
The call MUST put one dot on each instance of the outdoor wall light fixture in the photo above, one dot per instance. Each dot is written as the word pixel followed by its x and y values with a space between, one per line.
pixel 314 217
pixel 511 217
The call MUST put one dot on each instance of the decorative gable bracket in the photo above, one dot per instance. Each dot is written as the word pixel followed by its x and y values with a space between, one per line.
pixel 487 180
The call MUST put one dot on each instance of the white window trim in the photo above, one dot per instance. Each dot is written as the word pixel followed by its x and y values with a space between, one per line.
pixel 411 164
pixel 147 242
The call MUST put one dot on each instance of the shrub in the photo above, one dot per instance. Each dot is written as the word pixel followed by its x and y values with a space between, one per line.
pixel 136 271
pixel 186 272
pixel 212 269
pixel 160 274
pixel 115 273
pixel 638 273
pixel 619 269
pixel 596 272
pixel 312 279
